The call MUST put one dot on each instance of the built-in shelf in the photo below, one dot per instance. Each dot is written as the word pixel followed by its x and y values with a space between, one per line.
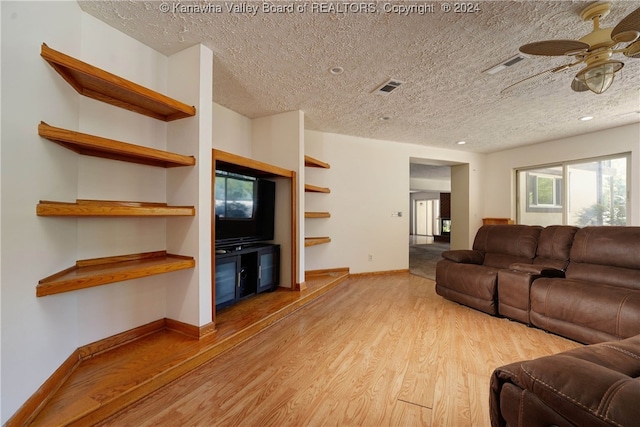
pixel 315 189
pixel 103 86
pixel 315 163
pixel 317 215
pixel 101 271
pixel 111 208
pixel 312 241
pixel 96 146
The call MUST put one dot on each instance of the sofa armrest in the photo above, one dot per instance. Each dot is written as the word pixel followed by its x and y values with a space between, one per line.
pixel 592 385
pixel 464 256
pixel 537 269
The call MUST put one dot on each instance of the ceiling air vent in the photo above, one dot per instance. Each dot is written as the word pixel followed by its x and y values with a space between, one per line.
pixel 388 87
pixel 506 64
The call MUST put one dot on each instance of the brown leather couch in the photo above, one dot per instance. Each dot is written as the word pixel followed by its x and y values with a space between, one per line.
pixel 595 385
pixel 583 284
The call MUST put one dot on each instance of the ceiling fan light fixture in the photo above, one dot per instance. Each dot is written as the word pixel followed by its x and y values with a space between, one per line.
pixel 599 77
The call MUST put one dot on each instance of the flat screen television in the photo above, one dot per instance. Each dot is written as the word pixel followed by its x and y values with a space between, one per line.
pixel 244 209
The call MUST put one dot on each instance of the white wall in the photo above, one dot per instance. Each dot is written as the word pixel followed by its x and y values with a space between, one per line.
pixel 500 178
pixel 189 293
pixel 43 333
pixel 233 131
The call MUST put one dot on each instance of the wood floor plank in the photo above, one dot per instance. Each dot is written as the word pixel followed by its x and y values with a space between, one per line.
pixel 410 415
pixel 374 351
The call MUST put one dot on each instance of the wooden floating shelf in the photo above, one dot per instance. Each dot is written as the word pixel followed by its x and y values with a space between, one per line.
pixel 102 271
pixel 111 208
pixel 317 215
pixel 103 86
pixel 312 241
pixel 90 145
pixel 315 163
pixel 243 165
pixel 315 189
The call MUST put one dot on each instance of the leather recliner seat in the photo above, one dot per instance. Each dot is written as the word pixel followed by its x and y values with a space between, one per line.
pixel 470 277
pixel 599 297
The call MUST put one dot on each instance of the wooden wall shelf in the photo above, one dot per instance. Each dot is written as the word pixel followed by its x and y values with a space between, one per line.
pixel 317 215
pixel 101 271
pixel 312 241
pixel 111 208
pixel 315 163
pixel 103 86
pixel 90 145
pixel 315 189
pixel 243 165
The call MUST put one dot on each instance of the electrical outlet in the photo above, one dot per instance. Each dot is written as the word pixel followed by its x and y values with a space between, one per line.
pixel 370 257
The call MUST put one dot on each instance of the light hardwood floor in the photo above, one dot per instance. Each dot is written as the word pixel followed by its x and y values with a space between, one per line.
pixel 374 351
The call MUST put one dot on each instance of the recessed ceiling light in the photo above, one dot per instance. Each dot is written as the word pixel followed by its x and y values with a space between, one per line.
pixel 385 118
pixel 586 118
pixel 336 70
pixel 461 142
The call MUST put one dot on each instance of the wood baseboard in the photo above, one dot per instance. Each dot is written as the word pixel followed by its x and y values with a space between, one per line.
pixel 326 271
pixel 192 331
pixel 379 273
pixel 122 338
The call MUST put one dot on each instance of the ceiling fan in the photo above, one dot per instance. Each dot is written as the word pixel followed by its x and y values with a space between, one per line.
pixel 593 50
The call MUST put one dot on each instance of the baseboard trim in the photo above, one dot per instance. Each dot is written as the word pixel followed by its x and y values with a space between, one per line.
pixel 379 273
pixel 192 331
pixel 122 338
pixel 326 271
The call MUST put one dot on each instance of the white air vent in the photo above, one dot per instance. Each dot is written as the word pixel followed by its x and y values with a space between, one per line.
pixel 506 64
pixel 388 87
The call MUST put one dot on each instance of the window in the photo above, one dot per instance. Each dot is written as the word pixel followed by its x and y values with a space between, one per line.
pixel 234 195
pixel 581 193
pixel 544 190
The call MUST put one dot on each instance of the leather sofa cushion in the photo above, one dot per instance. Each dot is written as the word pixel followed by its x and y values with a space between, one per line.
pixel 584 311
pixel 609 246
pixel 506 244
pixel 468 284
pixel 606 255
pixel 604 274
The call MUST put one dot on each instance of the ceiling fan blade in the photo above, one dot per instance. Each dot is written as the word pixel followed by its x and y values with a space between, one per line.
pixel 628 29
pixel 555 47
pixel 534 78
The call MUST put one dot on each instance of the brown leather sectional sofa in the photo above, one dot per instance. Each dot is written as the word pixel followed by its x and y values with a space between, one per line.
pixel 583 284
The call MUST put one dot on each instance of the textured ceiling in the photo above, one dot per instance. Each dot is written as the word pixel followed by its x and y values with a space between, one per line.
pixel 269 63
